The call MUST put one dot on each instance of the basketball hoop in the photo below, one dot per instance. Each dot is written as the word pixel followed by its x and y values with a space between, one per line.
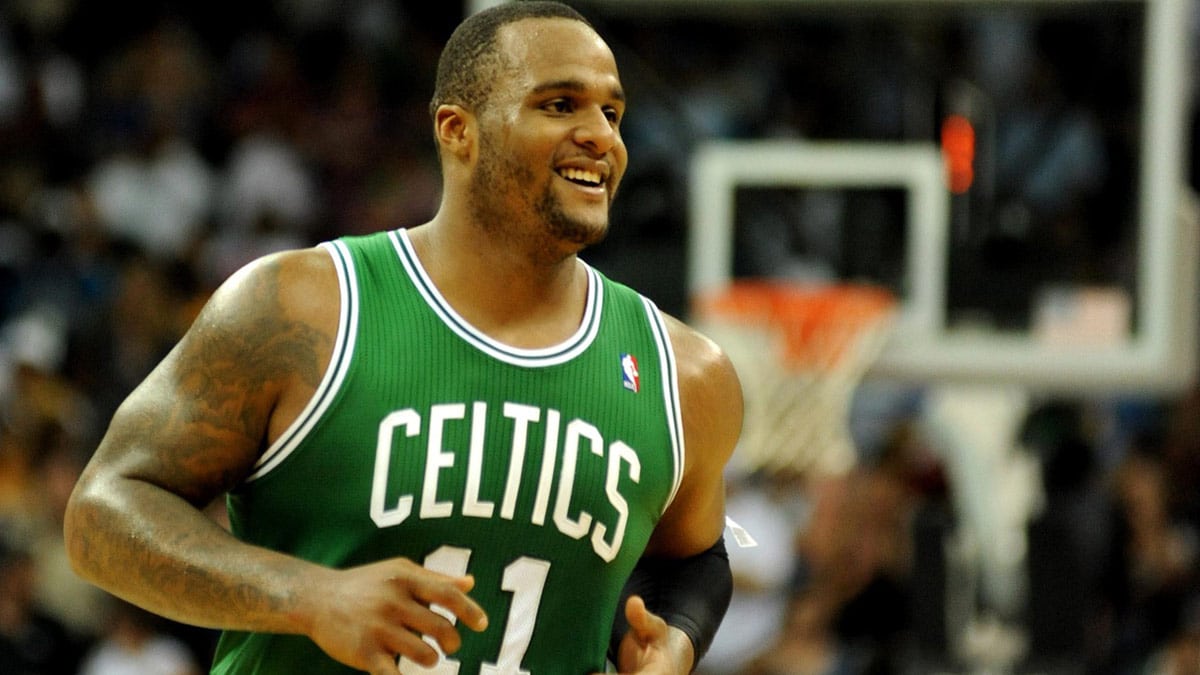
pixel 800 351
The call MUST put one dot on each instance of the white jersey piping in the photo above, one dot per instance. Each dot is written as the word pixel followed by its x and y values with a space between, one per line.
pixel 549 356
pixel 670 386
pixel 335 372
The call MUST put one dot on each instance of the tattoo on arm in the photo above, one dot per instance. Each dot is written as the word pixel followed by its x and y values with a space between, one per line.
pixel 187 435
pixel 223 383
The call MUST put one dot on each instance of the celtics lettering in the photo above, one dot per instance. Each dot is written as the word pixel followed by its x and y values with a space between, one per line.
pixel 564 448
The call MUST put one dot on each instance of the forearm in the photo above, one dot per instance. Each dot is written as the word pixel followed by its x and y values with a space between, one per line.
pixel 156 550
pixel 690 594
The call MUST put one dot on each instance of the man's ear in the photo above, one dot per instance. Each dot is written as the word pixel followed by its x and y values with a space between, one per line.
pixel 454 128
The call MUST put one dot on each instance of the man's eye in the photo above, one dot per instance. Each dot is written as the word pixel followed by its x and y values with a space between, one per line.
pixel 612 115
pixel 559 105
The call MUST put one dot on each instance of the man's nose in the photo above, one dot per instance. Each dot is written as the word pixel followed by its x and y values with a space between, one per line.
pixel 596 131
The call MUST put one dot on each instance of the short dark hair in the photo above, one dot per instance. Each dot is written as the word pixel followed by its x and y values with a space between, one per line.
pixel 470 61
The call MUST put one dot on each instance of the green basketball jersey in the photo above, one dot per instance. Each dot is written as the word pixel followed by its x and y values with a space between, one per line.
pixel 542 472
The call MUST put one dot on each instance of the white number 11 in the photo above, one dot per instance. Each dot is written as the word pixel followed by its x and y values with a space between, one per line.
pixel 524 578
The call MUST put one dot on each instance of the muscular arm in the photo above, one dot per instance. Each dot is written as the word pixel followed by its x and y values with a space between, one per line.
pixel 711 401
pixel 192 431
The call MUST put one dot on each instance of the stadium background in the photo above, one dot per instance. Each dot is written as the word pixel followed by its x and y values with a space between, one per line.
pixel 146 153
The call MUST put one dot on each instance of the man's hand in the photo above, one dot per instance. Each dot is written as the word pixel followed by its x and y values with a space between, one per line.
pixel 651 647
pixel 369 616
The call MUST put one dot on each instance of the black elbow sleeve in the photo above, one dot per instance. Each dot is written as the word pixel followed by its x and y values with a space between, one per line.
pixel 691 594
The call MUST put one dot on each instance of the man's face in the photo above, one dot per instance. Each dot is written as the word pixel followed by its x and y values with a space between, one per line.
pixel 550 149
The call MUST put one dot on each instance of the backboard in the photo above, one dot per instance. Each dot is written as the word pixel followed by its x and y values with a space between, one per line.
pixel 1085 336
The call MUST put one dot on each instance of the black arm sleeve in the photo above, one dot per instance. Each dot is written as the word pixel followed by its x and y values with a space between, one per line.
pixel 691 594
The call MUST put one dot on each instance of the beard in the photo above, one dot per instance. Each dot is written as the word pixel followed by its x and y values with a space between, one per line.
pixel 561 225
pixel 504 194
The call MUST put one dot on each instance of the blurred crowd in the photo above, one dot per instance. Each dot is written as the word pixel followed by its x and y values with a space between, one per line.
pixel 145 155
pixel 868 571
pixel 148 153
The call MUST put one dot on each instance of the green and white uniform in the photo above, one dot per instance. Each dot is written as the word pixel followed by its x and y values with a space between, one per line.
pixel 542 472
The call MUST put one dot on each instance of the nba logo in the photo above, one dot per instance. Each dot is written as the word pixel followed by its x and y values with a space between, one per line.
pixel 629 373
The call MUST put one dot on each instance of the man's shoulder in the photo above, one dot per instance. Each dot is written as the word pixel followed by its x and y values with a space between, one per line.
pixel 693 348
pixel 297 283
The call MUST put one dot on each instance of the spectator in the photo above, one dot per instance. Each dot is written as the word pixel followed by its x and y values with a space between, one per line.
pixel 136 644
pixel 31 641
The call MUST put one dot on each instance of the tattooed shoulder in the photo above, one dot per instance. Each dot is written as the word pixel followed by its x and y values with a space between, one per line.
pixel 268 332
pixel 269 321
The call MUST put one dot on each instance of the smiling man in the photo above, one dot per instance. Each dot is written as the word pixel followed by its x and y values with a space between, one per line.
pixel 454 448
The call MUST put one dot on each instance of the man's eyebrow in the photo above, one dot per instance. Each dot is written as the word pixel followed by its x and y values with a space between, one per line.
pixel 616 93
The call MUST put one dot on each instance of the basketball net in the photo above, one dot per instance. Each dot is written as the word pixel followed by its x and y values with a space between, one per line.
pixel 800 352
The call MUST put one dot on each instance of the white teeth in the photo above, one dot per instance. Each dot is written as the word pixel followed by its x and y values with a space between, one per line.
pixel 581 175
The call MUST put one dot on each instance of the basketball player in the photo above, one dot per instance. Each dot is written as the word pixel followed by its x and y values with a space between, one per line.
pixel 455 448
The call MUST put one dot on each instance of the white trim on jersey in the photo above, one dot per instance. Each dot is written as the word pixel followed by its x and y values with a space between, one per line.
pixel 529 358
pixel 335 372
pixel 670 386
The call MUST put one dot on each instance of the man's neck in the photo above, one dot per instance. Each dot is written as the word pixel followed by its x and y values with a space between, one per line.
pixel 502 289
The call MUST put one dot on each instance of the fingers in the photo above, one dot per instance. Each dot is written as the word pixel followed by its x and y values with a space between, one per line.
pixel 644 624
pixel 448 594
pixel 439 602
pixel 391 609
pixel 408 639
pixel 430 623
pixel 412 648
pixel 383 664
pixel 650 645
pixel 646 640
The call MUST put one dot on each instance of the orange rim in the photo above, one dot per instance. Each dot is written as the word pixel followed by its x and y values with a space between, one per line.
pixel 816 322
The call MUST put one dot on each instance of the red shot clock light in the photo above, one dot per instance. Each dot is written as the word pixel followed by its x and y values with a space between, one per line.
pixel 958 149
